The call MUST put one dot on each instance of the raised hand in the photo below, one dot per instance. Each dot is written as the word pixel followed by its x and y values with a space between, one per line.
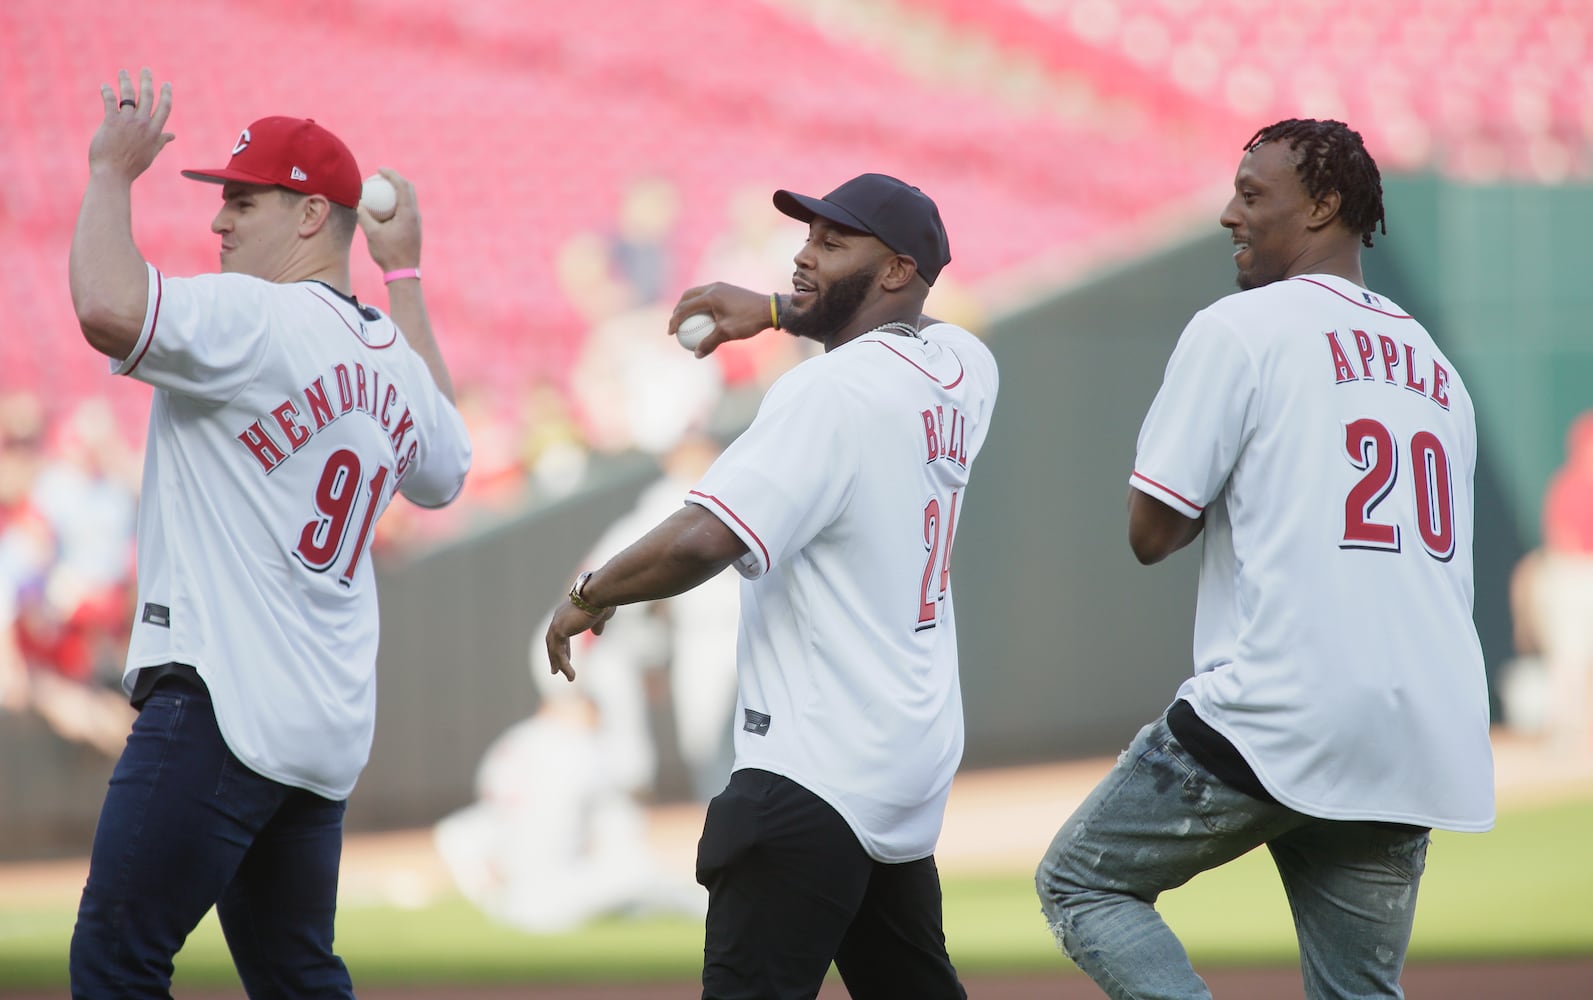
pixel 133 132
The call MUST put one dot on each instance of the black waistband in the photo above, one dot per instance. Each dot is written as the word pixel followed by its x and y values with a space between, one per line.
pixel 1213 751
pixel 175 674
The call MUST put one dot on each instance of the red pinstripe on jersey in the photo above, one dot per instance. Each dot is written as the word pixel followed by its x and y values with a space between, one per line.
pixel 746 527
pixel 961 371
pixel 153 322
pixel 1171 493
pixel 1363 305
pixel 332 306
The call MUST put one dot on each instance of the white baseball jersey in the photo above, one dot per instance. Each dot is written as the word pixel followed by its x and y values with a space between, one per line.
pixel 1331 446
pixel 847 489
pixel 282 423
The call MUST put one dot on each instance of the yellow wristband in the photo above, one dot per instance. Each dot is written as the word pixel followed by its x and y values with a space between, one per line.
pixel 774 309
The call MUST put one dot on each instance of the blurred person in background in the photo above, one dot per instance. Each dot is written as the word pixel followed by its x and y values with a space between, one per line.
pixel 702 624
pixel 838 507
pixel 1561 589
pixel 552 449
pixel 497 477
pixel 285 417
pixel 753 244
pixel 631 390
pixel 1325 447
pixel 72 623
pixel 88 493
pixel 557 836
pixel 1523 678
pixel 641 247
pixel 65 539
pixel 691 636
pixel 27 545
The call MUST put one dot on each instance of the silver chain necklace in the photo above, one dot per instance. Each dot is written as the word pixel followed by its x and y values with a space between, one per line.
pixel 899 328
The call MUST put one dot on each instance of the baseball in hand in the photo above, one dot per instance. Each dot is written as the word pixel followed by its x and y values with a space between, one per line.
pixel 379 197
pixel 694 329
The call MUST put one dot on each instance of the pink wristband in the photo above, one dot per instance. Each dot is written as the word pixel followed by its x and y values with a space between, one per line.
pixel 404 272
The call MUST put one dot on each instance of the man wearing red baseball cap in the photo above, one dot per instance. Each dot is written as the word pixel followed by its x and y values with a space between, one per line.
pixel 286 415
pixel 304 167
pixel 293 153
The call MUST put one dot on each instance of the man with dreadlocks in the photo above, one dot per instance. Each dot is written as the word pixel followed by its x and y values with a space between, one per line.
pixel 1338 708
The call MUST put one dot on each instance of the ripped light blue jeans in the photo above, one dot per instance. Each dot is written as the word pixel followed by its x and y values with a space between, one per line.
pixel 1159 818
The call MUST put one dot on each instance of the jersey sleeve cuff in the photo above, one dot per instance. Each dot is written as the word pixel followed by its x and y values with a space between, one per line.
pixel 146 335
pixel 1151 487
pixel 756 562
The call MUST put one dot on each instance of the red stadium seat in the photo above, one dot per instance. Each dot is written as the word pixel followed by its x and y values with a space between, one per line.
pixel 523 123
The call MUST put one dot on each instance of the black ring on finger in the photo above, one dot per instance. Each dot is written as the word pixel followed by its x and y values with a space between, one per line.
pixel 125 103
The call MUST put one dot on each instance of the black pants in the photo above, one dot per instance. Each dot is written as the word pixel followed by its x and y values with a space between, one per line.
pixel 790 889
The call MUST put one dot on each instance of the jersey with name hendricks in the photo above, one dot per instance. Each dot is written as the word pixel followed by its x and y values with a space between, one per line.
pixel 283 421
pixel 847 489
pixel 1331 446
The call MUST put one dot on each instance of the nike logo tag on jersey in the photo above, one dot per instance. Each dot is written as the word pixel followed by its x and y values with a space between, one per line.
pixel 157 614
pixel 757 723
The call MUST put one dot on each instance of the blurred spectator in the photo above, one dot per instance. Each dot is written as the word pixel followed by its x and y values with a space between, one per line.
pixel 695 639
pixel 552 449
pixel 497 480
pixel 557 836
pixel 524 446
pixel 641 249
pixel 1563 593
pixel 589 281
pixel 702 623
pixel 632 387
pixel 66 528
pixel 553 841
pixel 87 491
pixel 754 244
pixel 26 546
pixel 636 388
pixel 1523 689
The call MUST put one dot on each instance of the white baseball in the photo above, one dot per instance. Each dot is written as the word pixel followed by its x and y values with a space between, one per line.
pixel 379 197
pixel 694 329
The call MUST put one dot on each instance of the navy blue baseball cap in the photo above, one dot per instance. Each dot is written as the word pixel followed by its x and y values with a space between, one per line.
pixel 898 214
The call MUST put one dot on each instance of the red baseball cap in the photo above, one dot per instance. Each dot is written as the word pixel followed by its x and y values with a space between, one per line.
pixel 294 153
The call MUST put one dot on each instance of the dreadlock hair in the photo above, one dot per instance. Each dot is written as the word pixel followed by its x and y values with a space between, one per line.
pixel 1332 158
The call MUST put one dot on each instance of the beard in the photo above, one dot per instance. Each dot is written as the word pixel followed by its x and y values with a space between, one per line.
pixel 1259 273
pixel 833 308
pixel 1250 279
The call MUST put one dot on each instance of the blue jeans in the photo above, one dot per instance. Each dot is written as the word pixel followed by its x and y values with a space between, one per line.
pixel 1159 818
pixel 185 826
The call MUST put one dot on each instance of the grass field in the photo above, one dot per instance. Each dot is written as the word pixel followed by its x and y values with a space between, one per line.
pixel 1520 891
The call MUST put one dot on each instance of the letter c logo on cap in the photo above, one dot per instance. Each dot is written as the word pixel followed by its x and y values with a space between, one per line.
pixel 242 143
